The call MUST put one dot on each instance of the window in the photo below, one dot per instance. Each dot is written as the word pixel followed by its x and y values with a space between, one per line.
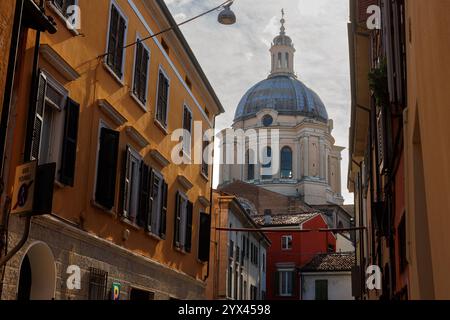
pixel 187 133
pixel 63 5
pixel 286 242
pixel 250 165
pixel 236 279
pixel 321 290
pixel 267 164
pixel 132 163
pixel 253 292
pixel 264 262
pixel 267 120
pixel 162 99
pixel 141 65
pixel 205 154
pixel 98 280
pixel 230 282
pixel 245 290
pixel 241 287
pixel 238 252
pixel 231 250
pixel 286 163
pixel 55 128
pixel 153 193
pixel 204 237
pixel 183 223
pixel 116 41
pixel 141 295
pixel 105 190
pixel 286 280
pixel 254 254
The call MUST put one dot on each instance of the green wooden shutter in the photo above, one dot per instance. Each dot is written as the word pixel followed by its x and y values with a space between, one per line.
pixel 69 150
pixel 162 226
pixel 39 116
pixel 177 221
pixel 189 217
pixel 107 168
pixel 150 200
pixel 144 193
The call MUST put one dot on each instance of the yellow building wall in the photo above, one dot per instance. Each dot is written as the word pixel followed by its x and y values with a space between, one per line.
pixel 427 127
pixel 81 52
pixel 7 9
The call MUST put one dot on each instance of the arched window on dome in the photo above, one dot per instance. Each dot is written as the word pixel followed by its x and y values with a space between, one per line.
pixel 286 163
pixel 250 161
pixel 287 60
pixel 267 163
pixel 280 57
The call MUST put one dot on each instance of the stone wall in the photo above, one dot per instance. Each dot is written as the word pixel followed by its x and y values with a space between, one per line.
pixel 71 246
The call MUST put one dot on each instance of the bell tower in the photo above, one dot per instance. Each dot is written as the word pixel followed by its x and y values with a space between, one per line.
pixel 282 51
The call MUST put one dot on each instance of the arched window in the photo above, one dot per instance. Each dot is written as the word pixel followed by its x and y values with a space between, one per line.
pixel 279 60
pixel 267 163
pixel 250 161
pixel 286 55
pixel 286 163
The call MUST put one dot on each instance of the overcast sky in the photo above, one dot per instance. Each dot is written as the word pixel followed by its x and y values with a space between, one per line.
pixel 236 57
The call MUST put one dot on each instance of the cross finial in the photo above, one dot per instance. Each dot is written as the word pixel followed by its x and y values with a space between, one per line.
pixel 282 29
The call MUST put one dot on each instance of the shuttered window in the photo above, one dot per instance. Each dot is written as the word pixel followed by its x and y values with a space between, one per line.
pixel 204 237
pixel 107 168
pixel 183 223
pixel 116 41
pixel 285 280
pixel 69 149
pixel 163 99
pixel 141 72
pixel 55 128
pixel 321 289
pixel 130 184
pixel 187 133
pixel 152 202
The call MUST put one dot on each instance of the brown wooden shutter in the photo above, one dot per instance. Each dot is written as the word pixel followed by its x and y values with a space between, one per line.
pixel 144 194
pixel 189 217
pixel 162 226
pixel 204 237
pixel 39 116
pixel 143 75
pixel 69 150
pixel 107 168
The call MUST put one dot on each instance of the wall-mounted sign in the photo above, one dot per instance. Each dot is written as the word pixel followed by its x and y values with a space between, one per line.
pixel 115 291
pixel 23 192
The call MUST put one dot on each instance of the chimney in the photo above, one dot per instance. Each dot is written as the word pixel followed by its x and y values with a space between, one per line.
pixel 267 216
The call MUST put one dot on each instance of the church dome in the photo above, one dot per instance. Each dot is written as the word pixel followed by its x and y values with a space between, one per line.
pixel 284 94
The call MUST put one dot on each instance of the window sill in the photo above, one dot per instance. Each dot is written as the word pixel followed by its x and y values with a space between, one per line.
pixel 161 127
pixel 102 208
pixel 139 102
pixel 204 176
pixel 130 223
pixel 63 19
pixel 180 250
pixel 112 73
pixel 154 236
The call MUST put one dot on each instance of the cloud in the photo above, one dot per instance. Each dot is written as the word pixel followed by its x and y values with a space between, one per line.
pixel 318 29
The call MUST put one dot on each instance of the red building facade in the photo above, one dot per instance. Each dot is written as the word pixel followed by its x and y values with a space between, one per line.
pixel 292 250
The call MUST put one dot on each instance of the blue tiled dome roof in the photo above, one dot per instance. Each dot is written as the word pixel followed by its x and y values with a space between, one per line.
pixel 286 95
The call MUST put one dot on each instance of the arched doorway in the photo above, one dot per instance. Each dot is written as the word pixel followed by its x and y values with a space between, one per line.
pixel 37 280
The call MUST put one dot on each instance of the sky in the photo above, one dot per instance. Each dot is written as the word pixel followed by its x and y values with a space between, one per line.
pixel 236 57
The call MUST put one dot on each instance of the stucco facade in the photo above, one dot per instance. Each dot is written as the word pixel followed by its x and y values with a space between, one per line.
pixel 81 230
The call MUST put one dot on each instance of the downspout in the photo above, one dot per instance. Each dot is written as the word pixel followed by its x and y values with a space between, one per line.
pixel 210 198
pixel 9 86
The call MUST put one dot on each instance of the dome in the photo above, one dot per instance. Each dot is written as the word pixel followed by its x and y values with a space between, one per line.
pixel 285 94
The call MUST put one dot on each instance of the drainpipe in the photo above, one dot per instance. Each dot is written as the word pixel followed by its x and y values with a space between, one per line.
pixel 211 199
pixel 9 86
